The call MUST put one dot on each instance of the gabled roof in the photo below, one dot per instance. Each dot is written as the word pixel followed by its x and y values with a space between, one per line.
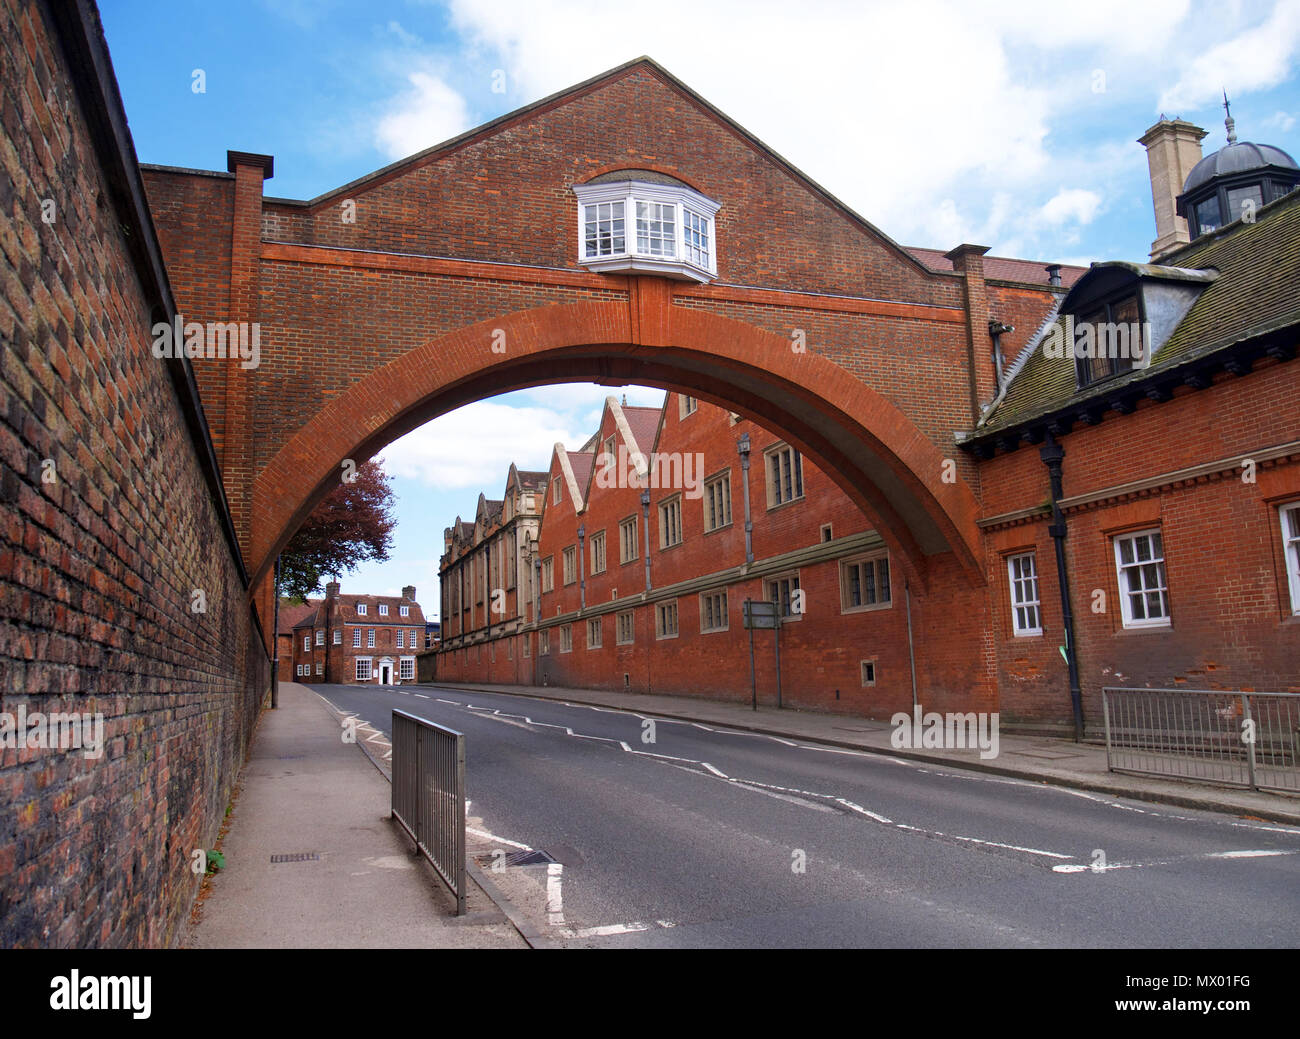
pixel 293 614
pixel 503 123
pixel 1003 267
pixel 346 606
pixel 644 424
pixel 1253 296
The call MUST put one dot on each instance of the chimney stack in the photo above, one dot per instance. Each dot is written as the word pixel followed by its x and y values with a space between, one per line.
pixel 1053 273
pixel 332 590
pixel 1173 148
pixel 409 592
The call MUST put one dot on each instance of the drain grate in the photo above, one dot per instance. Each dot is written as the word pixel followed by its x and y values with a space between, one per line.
pixel 297 856
pixel 515 858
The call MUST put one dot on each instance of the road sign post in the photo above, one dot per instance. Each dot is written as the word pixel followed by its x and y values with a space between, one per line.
pixel 762 614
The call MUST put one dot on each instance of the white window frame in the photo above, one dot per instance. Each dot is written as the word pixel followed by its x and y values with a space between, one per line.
pixel 1125 602
pixel 548 574
pixel 1026 594
pixel 406 669
pixel 772 475
pixel 383 609
pixel 670 522
pixel 1289 517
pixel 361 609
pixel 566 638
pixel 320 636
pixel 879 563
pixel 598 552
pixel 631 628
pixel 717 499
pixel 557 490
pixel 569 558
pixel 544 642
pixel 720 610
pixel 356 638
pixel 369 670
pixel 370 638
pixel 401 639
pixel 306 643
pixel 682 260
pixel 338 636
pixel 405 611
pixel 664 610
pixel 595 627
pixel 686 406
pixel 320 667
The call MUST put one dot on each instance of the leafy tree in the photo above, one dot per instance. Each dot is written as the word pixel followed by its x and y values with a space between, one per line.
pixel 352 524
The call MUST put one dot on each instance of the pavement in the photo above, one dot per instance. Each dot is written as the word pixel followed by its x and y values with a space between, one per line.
pixel 304 791
pixel 354 881
pixel 1060 762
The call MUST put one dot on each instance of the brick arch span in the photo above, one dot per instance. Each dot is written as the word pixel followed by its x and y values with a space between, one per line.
pixel 886 465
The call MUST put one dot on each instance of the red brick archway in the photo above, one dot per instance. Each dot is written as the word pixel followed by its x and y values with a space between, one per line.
pixel 875 453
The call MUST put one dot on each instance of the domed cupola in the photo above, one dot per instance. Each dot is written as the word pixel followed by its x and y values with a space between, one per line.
pixel 1234 182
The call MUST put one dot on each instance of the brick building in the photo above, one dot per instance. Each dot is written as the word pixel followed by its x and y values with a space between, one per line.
pixel 289 616
pixel 645 593
pixel 1160 461
pixel 357 639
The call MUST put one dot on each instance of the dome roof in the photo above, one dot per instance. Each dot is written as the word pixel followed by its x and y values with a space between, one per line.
pixel 1237 158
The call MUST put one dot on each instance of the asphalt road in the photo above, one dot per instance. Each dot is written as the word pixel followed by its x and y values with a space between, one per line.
pixel 674 834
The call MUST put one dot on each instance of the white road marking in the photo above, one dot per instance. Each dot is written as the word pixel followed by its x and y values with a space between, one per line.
pixel 555 894
pixel 601 932
pixel 1244 854
pixel 499 840
pixel 422 696
pixel 716 772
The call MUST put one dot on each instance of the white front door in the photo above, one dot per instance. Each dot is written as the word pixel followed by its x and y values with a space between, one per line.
pixel 385 673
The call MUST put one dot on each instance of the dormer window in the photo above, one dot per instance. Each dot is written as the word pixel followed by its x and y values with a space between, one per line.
pixel 1108 339
pixel 658 227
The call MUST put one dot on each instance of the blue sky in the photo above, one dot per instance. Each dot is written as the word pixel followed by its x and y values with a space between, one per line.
pixel 1010 124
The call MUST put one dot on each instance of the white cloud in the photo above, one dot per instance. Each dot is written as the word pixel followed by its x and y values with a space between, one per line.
pixel 428 113
pixel 473 446
pixel 1071 204
pixel 1282 120
pixel 1255 59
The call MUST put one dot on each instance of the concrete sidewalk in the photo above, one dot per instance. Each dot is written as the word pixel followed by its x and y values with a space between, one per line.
pixel 303 790
pixel 1036 758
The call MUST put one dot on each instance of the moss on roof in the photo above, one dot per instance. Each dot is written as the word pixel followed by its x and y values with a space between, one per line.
pixel 1258 292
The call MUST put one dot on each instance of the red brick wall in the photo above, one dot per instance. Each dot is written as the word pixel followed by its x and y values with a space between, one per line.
pixel 821 652
pixel 1231 621
pixel 99 565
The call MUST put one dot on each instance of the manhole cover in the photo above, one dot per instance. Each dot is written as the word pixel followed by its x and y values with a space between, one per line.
pixel 514 858
pixel 297 856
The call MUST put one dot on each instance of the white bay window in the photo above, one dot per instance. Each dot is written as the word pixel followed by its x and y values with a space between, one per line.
pixel 672 230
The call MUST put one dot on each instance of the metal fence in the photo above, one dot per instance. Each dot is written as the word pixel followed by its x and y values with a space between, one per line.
pixel 429 795
pixel 1237 738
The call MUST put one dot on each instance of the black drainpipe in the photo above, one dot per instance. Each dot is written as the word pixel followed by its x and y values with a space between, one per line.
pixel 1052 453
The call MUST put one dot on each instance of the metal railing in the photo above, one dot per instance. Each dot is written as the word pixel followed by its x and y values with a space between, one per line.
pixel 1218 736
pixel 429 795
